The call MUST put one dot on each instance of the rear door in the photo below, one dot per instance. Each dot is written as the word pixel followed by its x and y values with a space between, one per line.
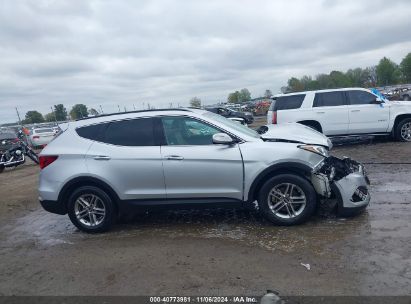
pixel 194 167
pixel 365 114
pixel 125 154
pixel 331 111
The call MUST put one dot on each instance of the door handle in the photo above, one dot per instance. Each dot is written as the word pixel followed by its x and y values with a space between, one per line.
pixel 355 110
pixel 174 157
pixel 101 157
pixel 320 112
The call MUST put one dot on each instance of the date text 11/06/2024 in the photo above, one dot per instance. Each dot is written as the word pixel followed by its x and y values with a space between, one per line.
pixel 204 299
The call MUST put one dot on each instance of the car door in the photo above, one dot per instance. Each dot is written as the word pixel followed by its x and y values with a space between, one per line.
pixel 127 157
pixel 331 111
pixel 365 114
pixel 194 167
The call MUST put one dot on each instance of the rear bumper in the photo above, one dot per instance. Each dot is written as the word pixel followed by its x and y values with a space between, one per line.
pixel 53 207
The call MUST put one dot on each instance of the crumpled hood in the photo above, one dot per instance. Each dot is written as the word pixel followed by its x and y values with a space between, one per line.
pixel 296 132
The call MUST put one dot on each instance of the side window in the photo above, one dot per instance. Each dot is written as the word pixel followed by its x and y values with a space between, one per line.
pixel 187 131
pixel 361 97
pixel 289 102
pixel 329 99
pixel 90 132
pixel 133 132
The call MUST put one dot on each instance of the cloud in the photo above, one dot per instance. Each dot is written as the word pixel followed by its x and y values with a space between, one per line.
pixel 128 53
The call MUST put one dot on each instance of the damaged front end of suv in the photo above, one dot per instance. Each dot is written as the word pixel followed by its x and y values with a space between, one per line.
pixel 336 180
pixel 344 180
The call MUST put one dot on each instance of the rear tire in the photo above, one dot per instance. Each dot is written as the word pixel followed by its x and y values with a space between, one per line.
pixel 1 168
pixel 403 130
pixel 287 199
pixel 91 209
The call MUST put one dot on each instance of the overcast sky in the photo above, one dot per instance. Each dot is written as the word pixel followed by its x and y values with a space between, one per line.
pixel 116 52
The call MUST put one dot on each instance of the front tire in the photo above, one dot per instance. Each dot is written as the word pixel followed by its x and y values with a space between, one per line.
pixel 33 156
pixel 91 209
pixel 287 199
pixel 403 130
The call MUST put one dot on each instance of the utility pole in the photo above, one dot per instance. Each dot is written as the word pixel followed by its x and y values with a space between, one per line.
pixel 134 107
pixel 18 115
pixel 119 108
pixel 54 113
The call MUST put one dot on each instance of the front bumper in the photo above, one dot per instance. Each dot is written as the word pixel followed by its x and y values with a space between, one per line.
pixel 344 180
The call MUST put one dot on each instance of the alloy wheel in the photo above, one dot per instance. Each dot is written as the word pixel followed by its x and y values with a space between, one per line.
pixel 287 200
pixel 406 131
pixel 89 210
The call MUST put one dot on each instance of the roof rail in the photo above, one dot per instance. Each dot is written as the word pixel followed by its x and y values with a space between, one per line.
pixel 131 112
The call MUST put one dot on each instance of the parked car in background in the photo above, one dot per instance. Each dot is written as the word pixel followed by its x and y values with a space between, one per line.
pixel 100 168
pixel 238 120
pixel 41 136
pixel 342 112
pixel 56 129
pixel 228 113
pixel 405 94
pixel 7 139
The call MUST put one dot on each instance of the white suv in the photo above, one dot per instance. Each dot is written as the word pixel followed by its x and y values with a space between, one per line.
pixel 349 111
pixel 101 167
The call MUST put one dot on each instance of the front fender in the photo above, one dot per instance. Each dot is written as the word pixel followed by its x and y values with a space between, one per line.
pixel 296 167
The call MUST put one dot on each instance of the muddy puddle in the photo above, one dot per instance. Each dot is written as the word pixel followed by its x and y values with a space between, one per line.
pixel 240 225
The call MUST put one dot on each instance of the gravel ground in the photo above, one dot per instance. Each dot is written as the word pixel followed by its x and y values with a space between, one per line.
pixel 214 252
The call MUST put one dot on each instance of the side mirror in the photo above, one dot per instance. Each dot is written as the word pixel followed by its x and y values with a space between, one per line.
pixel 222 138
pixel 262 129
pixel 378 101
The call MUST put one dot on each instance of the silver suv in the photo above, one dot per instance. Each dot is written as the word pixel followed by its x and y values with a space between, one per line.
pixel 97 169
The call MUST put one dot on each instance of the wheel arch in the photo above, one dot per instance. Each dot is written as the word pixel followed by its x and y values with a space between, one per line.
pixel 298 169
pixel 86 181
pixel 399 118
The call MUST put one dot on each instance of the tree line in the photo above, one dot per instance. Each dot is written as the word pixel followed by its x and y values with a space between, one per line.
pixel 59 113
pixel 385 73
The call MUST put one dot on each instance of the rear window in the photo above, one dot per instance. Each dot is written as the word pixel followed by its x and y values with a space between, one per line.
pixel 134 132
pixel 287 102
pixel 329 99
pixel 39 131
pixel 7 135
pixel 90 132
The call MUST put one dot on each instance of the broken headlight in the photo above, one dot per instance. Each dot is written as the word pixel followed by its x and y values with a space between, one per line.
pixel 315 149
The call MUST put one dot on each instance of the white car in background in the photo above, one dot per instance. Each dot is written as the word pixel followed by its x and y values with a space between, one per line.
pixel 342 112
pixel 41 136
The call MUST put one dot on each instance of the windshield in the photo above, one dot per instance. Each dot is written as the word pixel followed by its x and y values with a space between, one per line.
pixel 43 130
pixel 232 124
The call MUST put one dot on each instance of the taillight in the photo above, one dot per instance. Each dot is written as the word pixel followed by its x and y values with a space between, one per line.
pixel 36 137
pixel 45 160
pixel 274 117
